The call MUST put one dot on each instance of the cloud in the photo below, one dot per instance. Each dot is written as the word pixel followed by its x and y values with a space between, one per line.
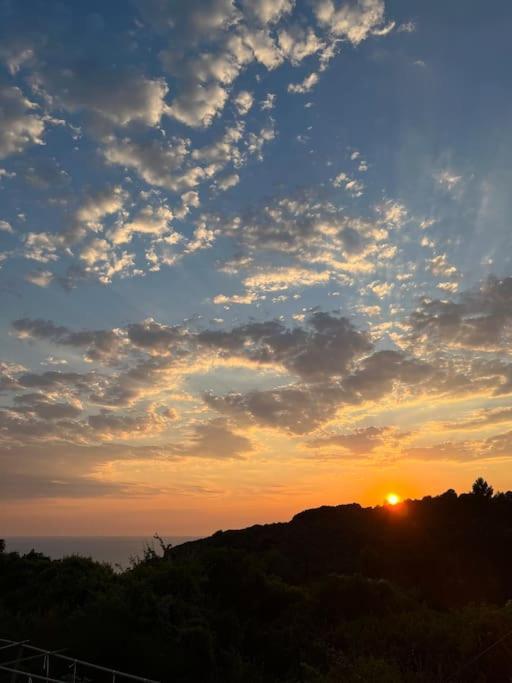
pixel 228 181
pixel 110 425
pixel 323 364
pixel 118 95
pixel 243 102
pixel 215 439
pixel 199 104
pixel 448 180
pixel 313 231
pixel 245 299
pixel 440 267
pixel 153 221
pixel 480 419
pixel 360 443
pixel 86 220
pixel 353 21
pixel 98 344
pixel 196 20
pixel 158 161
pixel 352 185
pixel 5 226
pixel 304 406
pixel 20 123
pixel 297 43
pixel 268 102
pixel 305 86
pixel 64 470
pixel 321 349
pixel 212 42
pixel 268 11
pixel 478 319
pixel 171 163
pixel 298 409
pixel 101 261
pixel 41 407
pixel 24 486
pixel 498 446
pixel 276 279
pixel 41 278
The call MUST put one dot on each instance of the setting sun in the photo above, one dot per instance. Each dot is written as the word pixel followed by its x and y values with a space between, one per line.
pixel 392 499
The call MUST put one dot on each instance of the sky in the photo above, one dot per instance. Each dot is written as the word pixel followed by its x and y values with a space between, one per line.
pixel 255 257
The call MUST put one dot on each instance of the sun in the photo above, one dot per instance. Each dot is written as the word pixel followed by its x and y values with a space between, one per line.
pixel 392 499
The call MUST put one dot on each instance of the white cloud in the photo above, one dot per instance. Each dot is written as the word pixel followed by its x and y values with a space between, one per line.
pixel 297 43
pixel 243 102
pixel 20 125
pixel 119 97
pixel 248 298
pixel 277 279
pixel 353 21
pixel 98 205
pixel 305 86
pixel 103 262
pixel 268 102
pixel 351 185
pixel 226 182
pixel 159 162
pixel 407 27
pixel 381 289
pixel 197 105
pixel 5 226
pixel 41 278
pixel 149 221
pixel 448 180
pixel 268 11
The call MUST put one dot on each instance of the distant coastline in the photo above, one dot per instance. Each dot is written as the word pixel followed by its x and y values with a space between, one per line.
pixel 116 550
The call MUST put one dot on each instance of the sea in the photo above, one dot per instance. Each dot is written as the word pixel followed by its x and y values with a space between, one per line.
pixel 117 551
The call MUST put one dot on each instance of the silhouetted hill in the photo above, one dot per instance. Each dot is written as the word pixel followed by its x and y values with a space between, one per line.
pixel 450 549
pixel 418 592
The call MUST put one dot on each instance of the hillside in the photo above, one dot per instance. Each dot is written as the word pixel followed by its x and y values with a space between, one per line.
pixel 417 592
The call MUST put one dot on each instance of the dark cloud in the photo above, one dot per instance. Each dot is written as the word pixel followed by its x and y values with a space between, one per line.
pixel 322 349
pixel 376 374
pixel 335 365
pixel 40 406
pixel 298 409
pixel 301 408
pixel 478 319
pixel 151 336
pixel 98 343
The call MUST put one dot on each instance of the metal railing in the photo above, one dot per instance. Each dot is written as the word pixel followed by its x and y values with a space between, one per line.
pixel 76 669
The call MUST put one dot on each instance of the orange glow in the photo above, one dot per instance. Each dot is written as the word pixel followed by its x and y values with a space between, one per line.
pixel 393 499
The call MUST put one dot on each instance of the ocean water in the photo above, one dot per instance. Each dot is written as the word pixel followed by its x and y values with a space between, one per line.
pixel 116 550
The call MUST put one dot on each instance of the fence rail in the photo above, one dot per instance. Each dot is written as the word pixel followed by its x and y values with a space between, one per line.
pixel 30 653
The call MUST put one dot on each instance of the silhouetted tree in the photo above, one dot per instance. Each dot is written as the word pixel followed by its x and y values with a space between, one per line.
pixel 481 488
pixel 2 545
pixel 450 494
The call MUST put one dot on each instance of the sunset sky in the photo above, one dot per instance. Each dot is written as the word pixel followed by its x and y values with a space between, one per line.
pixel 255 257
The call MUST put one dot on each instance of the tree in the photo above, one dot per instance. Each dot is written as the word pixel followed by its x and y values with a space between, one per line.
pixel 482 489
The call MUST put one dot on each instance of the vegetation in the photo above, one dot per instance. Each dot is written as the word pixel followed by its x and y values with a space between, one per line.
pixel 417 592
